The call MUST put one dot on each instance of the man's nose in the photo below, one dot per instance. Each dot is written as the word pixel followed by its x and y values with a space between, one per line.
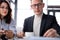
pixel 37 7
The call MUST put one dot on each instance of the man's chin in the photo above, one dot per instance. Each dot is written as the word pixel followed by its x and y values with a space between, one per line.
pixel 37 13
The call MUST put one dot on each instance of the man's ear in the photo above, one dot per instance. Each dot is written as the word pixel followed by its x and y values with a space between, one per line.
pixel 31 6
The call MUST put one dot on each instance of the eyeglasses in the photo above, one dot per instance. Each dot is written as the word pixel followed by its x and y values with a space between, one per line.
pixel 4 8
pixel 36 5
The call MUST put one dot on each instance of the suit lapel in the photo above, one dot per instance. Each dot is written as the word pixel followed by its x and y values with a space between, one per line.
pixel 43 22
pixel 32 20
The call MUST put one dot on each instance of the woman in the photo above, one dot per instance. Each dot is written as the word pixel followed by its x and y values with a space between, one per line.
pixel 7 24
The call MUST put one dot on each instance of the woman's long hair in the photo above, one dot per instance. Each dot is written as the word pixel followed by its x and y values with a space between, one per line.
pixel 6 18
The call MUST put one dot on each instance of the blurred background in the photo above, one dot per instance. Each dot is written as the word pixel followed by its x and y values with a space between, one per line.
pixel 21 9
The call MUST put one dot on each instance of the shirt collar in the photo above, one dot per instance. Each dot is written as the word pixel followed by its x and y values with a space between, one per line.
pixel 39 16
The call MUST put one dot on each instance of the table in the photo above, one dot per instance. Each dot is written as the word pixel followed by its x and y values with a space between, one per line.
pixel 35 38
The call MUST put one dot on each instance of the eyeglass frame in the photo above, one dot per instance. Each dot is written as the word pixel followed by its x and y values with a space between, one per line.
pixel 37 5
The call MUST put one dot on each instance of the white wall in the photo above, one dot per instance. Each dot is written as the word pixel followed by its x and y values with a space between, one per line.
pixel 53 2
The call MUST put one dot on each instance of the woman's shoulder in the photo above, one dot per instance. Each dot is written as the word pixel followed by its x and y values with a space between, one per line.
pixel 13 22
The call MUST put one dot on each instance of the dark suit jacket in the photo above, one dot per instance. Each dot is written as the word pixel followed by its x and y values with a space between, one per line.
pixel 47 22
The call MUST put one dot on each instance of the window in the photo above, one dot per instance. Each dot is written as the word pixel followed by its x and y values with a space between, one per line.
pixel 24 10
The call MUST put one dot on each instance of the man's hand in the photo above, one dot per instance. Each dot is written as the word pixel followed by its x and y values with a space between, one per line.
pixel 20 34
pixel 9 34
pixel 51 33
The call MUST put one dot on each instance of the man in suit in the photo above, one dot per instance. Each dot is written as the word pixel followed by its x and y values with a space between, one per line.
pixel 41 24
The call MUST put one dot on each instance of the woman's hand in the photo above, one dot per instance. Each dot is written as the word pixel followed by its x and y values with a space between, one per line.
pixel 9 34
pixel 2 32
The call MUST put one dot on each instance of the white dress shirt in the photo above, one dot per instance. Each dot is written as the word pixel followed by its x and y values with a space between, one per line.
pixel 37 24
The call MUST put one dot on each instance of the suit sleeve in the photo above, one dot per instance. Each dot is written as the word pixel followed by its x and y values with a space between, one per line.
pixel 55 25
pixel 25 26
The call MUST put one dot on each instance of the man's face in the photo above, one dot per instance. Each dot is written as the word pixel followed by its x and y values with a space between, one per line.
pixel 37 6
